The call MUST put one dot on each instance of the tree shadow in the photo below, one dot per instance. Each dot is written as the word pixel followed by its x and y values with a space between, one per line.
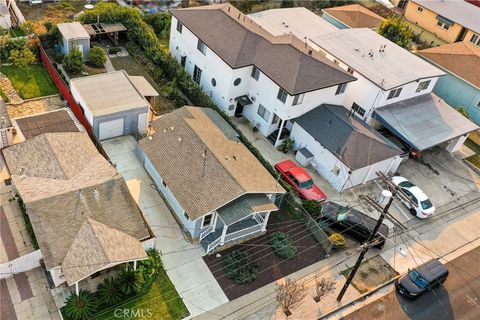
pixel 434 304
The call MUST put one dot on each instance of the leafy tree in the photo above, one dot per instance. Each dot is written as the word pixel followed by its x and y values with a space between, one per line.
pixel 73 61
pixel 397 31
pixel 108 292
pixel 243 5
pixel 160 23
pixel 97 56
pixel 287 4
pixel 81 306
pixel 22 58
pixel 463 112
pixel 27 27
pixel 130 281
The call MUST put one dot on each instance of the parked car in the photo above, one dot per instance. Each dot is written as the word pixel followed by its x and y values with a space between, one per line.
pixel 298 178
pixel 423 278
pixel 408 151
pixel 424 207
pixel 353 223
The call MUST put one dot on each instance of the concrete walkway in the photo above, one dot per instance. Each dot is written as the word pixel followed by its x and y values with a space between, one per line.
pixel 109 65
pixel 182 260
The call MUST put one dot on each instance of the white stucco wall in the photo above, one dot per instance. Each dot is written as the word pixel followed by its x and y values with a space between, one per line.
pixel 88 114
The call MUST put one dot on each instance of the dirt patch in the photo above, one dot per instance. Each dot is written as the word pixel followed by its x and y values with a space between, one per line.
pixel 35 106
pixel 372 273
pixel 271 267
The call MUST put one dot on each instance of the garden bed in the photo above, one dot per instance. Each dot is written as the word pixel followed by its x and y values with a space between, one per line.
pixel 35 82
pixel 270 266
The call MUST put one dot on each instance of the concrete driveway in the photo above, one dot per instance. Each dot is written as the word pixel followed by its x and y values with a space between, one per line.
pixel 182 260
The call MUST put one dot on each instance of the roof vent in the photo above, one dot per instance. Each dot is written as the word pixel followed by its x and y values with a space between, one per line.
pixel 370 54
pixel 357 49
pixel 172 128
pixel 80 194
pixel 235 157
pixel 96 194
pixel 164 130
pixel 227 158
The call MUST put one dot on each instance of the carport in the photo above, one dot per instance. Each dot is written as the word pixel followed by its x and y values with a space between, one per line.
pixel 426 121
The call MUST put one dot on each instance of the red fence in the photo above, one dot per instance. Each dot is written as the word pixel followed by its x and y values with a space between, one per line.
pixel 64 90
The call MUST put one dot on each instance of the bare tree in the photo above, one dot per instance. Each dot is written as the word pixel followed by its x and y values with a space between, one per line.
pixel 323 287
pixel 290 295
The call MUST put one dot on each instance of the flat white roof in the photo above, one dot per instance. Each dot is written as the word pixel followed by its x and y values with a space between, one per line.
pixel 391 68
pixel 108 93
pixel 143 86
pixel 73 30
pixel 298 21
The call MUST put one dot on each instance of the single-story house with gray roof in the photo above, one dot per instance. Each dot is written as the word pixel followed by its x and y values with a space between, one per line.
pixel 218 190
pixel 342 148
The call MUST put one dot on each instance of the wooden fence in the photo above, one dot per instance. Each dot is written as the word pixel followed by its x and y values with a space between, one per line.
pixel 21 264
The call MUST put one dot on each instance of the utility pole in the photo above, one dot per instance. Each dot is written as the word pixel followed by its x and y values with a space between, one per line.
pixel 387 195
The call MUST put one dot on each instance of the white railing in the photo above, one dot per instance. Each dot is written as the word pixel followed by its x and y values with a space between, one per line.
pixel 214 244
pixel 242 233
pixel 258 217
pixel 206 232
pixel 21 264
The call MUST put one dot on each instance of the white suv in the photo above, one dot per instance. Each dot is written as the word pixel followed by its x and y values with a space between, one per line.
pixel 424 207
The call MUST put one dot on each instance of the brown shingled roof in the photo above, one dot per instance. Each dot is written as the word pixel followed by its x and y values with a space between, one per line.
pixel 355 16
pixel 460 58
pixel 204 183
pixel 279 57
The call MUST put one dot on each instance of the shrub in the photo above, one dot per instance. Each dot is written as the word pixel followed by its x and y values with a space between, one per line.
pixel 97 56
pixel 114 50
pixel 81 306
pixel 396 30
pixel 108 292
pixel 130 281
pixel 312 207
pixel 240 268
pixel 282 245
pixel 337 240
pixel 149 268
pixel 73 61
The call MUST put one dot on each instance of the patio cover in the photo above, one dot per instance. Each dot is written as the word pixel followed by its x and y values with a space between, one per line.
pixel 143 86
pixel 244 206
pixel 244 100
pixel 424 121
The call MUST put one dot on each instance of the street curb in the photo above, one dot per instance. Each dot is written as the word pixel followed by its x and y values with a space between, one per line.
pixel 361 297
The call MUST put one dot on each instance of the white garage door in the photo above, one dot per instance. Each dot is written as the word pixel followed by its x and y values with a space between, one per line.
pixel 110 129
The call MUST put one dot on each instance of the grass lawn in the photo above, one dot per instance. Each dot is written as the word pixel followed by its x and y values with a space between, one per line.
pixel 32 84
pixel 161 299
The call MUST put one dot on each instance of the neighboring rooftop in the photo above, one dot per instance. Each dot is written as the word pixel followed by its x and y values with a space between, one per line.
pixel 61 120
pixel 5 118
pixel 55 163
pixel 459 11
pixel 297 21
pixel 216 166
pixel 424 121
pixel 355 16
pixel 234 41
pixel 108 93
pixel 73 30
pixel 351 140
pixel 391 68
pixel 459 58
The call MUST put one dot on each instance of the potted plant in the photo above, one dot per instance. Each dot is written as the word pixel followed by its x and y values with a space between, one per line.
pixel 287 145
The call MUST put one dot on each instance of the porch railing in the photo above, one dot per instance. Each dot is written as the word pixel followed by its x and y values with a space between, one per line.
pixel 258 217
pixel 242 233
pixel 206 232
pixel 214 244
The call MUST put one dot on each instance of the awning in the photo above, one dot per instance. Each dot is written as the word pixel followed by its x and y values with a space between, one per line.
pixel 424 121
pixel 445 20
pixel 245 206
pixel 244 100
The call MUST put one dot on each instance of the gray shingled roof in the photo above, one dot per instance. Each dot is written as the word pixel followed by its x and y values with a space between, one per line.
pixel 245 206
pixel 61 120
pixel 291 69
pixel 5 118
pixel 203 184
pixel 351 140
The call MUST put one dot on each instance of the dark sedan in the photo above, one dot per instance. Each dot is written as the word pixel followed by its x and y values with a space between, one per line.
pixel 424 277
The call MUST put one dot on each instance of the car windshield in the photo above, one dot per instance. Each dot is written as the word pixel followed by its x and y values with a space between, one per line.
pixel 426 204
pixel 406 184
pixel 419 281
pixel 306 184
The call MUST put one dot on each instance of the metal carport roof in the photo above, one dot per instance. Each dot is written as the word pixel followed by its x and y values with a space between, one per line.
pixel 424 121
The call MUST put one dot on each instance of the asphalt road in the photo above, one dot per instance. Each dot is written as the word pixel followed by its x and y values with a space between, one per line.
pixel 458 298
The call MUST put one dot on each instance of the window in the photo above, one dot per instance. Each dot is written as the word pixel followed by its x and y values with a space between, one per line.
pixel 350 70
pixel 394 93
pixel 297 99
pixel 341 89
pixel 164 184
pixel 214 82
pixel 475 39
pixel 423 85
pixel 276 118
pixel 207 220
pixel 336 170
pixel 443 25
pixel 255 73
pixel 197 74
pixel 186 215
pixel 358 109
pixel 262 112
pixel 282 95
pixel 419 9
pixel 201 46
pixel 237 82
pixel 306 184
pixel 443 22
pixel 179 27
pixel 183 61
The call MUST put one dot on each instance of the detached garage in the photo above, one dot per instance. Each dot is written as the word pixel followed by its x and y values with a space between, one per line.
pixel 343 149
pixel 114 103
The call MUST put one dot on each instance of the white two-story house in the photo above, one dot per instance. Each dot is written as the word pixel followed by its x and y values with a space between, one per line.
pixel 268 79
pixel 394 86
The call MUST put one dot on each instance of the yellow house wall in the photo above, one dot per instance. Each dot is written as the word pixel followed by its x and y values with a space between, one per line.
pixel 427 20
pixel 468 35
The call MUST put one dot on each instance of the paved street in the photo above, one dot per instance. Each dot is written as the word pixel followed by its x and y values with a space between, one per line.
pixel 457 299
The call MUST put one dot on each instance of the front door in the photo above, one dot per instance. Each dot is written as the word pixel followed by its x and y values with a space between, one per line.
pixel 238 110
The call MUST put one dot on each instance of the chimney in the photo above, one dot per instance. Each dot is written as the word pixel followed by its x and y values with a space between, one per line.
pixel 96 195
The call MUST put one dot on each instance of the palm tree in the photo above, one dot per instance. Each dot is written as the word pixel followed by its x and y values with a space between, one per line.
pixel 108 292
pixel 81 306
pixel 130 281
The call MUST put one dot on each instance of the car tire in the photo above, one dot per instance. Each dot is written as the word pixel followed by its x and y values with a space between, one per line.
pixel 412 211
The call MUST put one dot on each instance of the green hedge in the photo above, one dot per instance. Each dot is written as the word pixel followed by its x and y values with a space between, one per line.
pixel 239 267
pixel 28 224
pixel 283 245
